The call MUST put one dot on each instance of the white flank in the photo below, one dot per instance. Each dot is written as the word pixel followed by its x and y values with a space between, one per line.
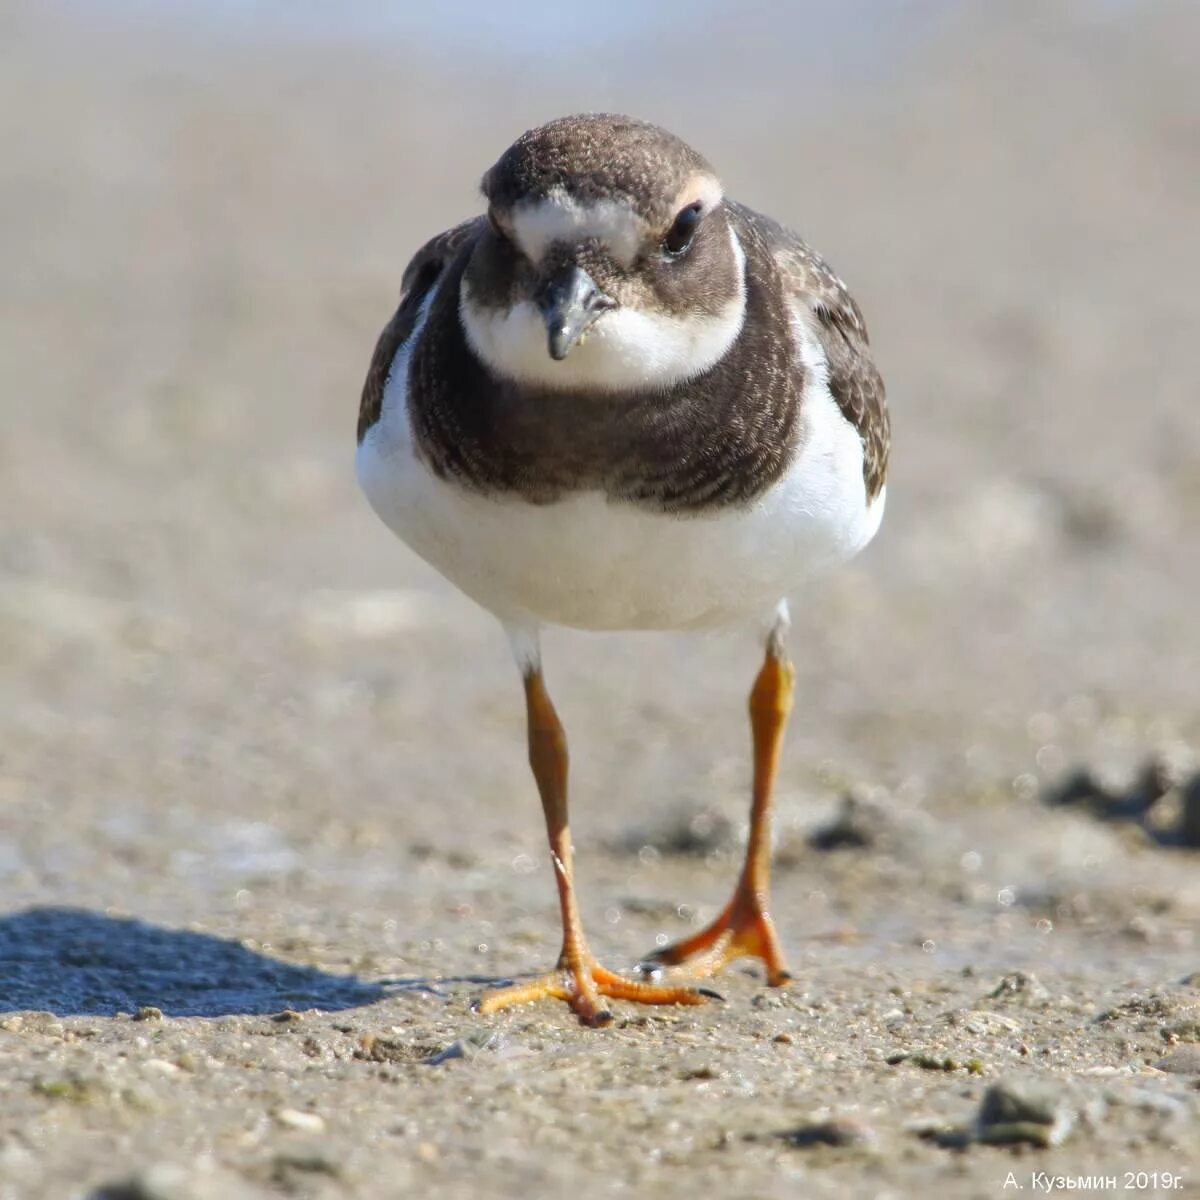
pixel 626 348
pixel 592 564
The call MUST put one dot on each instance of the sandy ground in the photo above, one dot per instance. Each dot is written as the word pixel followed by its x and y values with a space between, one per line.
pixel 265 822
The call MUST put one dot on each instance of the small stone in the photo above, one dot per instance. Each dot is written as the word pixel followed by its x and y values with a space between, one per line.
pixel 467 1048
pixel 1183 1060
pixel 161 1066
pixel 286 1167
pixel 163 1184
pixel 1019 986
pixel 427 1152
pixel 373 1047
pixel 836 1131
pixel 783 1039
pixel 72 1089
pixel 172 1181
pixel 1024 1112
pixel 860 824
pixel 934 1062
pixel 1078 787
pixel 982 1023
pixel 305 1122
pixel 935 1129
pixel 1186 1028
pixel 148 1013
pixel 682 832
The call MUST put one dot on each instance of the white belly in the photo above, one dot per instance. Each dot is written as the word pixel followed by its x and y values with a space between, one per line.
pixel 590 563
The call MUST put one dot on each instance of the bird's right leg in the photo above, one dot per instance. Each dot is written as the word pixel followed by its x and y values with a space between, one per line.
pixel 578 979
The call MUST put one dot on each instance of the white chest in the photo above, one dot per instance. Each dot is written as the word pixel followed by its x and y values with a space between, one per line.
pixel 589 563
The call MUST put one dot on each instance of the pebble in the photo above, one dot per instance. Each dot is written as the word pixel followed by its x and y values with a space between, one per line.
pixel 983 1023
pixel 860 824
pixel 305 1122
pixel 681 832
pixel 467 1048
pixel 1013 1112
pixel 1183 1060
pixel 836 1131
pixel 1019 986
pixel 201 1180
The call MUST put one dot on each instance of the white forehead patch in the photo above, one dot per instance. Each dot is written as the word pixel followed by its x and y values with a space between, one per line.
pixel 626 348
pixel 558 217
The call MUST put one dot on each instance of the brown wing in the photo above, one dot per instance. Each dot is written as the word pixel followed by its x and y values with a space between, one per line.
pixel 419 277
pixel 838 324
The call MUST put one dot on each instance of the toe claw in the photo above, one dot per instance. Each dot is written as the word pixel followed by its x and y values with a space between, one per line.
pixel 742 930
pixel 708 993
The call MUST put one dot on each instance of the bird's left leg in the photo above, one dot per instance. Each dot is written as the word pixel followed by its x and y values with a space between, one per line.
pixel 744 927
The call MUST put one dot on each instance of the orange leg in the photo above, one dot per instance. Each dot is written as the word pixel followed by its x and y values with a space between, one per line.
pixel 578 979
pixel 744 927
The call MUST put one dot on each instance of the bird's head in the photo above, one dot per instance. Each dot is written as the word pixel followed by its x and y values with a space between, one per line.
pixel 609 261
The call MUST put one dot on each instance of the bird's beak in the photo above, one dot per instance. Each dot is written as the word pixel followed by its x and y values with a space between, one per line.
pixel 571 303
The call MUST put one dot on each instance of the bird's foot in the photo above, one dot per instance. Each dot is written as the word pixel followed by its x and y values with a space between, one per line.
pixel 743 930
pixel 582 984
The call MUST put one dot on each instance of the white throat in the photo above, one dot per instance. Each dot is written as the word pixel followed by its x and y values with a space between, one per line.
pixel 626 348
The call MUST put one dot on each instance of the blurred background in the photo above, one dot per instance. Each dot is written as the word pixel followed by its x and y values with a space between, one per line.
pixel 215 653
pixel 230 700
pixel 206 213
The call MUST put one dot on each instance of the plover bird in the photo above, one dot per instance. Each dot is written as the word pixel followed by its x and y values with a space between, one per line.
pixel 622 400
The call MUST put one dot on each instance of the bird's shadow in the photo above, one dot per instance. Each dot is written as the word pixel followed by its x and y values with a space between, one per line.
pixel 73 962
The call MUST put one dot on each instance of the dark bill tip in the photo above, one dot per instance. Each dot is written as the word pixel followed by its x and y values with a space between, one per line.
pixel 571 305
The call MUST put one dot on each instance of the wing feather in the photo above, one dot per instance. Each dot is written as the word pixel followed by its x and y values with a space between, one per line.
pixel 420 277
pixel 838 324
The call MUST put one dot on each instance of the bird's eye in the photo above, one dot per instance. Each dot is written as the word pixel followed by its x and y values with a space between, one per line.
pixel 679 236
